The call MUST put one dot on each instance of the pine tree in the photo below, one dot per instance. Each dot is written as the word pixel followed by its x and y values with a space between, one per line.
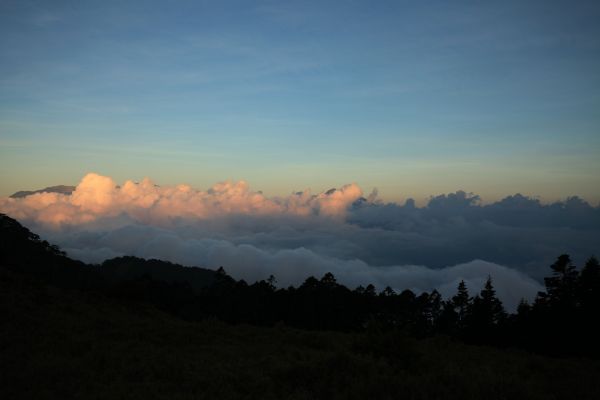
pixel 433 308
pixel 310 284
pixel 487 310
pixel 271 281
pixel 589 300
pixel 328 280
pixel 561 288
pixel 523 310
pixel 448 319
pixel 462 304
pixel 492 303
pixel 370 290
pixel 387 292
pixel 589 285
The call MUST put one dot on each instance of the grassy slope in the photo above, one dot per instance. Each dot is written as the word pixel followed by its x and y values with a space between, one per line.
pixel 67 344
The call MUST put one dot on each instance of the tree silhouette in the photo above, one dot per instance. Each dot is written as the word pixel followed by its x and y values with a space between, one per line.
pixel 370 290
pixel 589 285
pixel 430 310
pixel 310 283
pixel 561 287
pixel 447 322
pixel 387 292
pixel 589 301
pixel 328 280
pixel 461 303
pixel 486 314
pixel 491 306
pixel 434 306
pixel 523 310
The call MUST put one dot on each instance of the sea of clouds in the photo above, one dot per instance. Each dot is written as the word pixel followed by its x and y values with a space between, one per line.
pixel 358 238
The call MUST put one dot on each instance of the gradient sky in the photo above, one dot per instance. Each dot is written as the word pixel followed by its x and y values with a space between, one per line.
pixel 414 98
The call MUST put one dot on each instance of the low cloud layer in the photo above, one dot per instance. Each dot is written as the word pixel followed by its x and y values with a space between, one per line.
pixel 357 237
pixel 97 197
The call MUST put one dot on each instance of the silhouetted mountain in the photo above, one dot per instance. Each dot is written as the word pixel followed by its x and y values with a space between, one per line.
pixel 129 268
pixel 24 252
pixel 63 189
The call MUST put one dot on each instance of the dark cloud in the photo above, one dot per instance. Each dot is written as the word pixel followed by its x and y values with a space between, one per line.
pixel 517 231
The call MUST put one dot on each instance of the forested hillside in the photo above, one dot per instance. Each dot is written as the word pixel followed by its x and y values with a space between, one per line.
pixel 149 329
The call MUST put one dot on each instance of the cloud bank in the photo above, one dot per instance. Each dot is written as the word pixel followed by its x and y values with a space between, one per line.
pixel 361 240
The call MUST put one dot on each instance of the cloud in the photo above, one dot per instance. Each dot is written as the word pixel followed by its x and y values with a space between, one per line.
pixel 98 197
pixel 292 266
pixel 361 240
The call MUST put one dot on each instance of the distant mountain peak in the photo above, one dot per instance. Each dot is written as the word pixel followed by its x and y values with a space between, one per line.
pixel 63 189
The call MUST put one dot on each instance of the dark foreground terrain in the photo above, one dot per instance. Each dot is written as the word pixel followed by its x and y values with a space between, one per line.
pixel 59 343
pixel 133 328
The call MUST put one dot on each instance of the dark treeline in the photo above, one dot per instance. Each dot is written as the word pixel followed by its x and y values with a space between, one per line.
pixel 561 321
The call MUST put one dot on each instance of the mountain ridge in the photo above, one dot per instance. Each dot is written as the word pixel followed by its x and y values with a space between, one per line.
pixel 62 189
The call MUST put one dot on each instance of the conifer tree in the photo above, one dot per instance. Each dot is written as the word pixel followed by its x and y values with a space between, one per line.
pixel 328 280
pixel 461 302
pixel 589 285
pixel 370 290
pixel 487 310
pixel 432 309
pixel 387 292
pixel 561 288
pixel 523 309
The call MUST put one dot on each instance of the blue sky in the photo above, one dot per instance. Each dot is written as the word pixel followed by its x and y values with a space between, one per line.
pixel 414 98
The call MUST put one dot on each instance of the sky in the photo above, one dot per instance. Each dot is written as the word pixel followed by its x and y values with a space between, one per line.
pixel 412 98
